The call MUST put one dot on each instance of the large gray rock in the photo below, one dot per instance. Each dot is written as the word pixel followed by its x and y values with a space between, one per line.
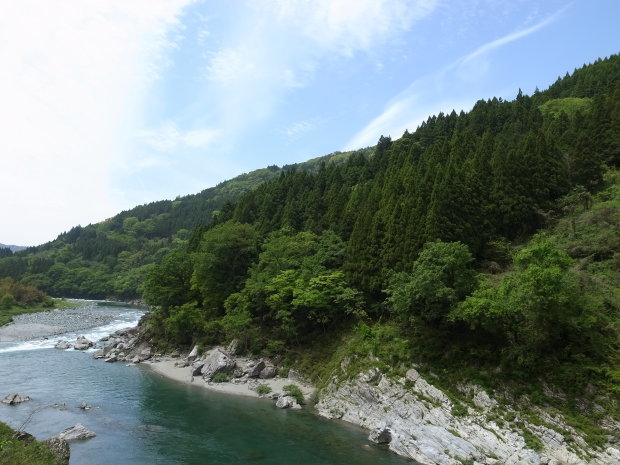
pixel 82 343
pixel 62 344
pixel 287 402
pixel 14 399
pixel 145 354
pixel 76 432
pixel 234 347
pixel 197 367
pixel 193 354
pixel 60 448
pixel 217 362
pixel 268 372
pixel 254 371
pixel 380 435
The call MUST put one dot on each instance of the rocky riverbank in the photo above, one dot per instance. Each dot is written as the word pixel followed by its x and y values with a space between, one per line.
pixel 218 369
pixel 29 326
pixel 417 420
pixel 411 416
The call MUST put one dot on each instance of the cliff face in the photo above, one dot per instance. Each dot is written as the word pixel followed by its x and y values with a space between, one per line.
pixel 419 421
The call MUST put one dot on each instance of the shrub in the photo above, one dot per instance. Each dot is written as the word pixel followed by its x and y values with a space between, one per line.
pixel 220 378
pixel 263 389
pixel 294 391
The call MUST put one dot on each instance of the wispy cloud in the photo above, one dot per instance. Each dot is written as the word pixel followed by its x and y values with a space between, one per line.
pixel 443 90
pixel 297 129
pixel 169 138
pixel 72 80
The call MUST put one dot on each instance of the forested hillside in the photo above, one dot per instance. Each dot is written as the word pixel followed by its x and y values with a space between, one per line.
pixel 111 259
pixel 426 250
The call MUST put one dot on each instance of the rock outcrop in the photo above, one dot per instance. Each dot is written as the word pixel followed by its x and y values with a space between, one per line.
pixel 287 402
pixel 14 399
pixel 60 448
pixel 63 344
pixel 76 432
pixel 417 420
pixel 82 343
pixel 217 362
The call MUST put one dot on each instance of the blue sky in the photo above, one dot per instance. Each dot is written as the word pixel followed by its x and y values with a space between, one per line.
pixel 110 104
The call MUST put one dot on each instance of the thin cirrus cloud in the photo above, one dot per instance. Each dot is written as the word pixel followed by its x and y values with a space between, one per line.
pixel 431 94
pixel 72 78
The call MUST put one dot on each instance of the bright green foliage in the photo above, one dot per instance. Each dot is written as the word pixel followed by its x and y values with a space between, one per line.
pixel 440 277
pixel 569 105
pixel 222 261
pixel 169 284
pixel 535 308
pixel 294 391
pixel 294 289
pixel 16 452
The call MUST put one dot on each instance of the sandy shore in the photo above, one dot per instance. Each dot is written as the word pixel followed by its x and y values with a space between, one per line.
pixel 166 368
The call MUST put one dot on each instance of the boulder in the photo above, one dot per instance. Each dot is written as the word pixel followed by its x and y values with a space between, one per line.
pixel 145 354
pixel 84 406
pixel 193 354
pixel 82 343
pixel 76 432
pixel 23 436
pixel 287 402
pixel 14 399
pixel 268 372
pixel 197 367
pixel 217 362
pixel 111 359
pixel 254 371
pixel 98 354
pixel 380 435
pixel 60 448
pixel 62 344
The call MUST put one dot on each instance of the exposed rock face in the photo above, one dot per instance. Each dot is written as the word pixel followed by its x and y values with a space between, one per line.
pixel 287 402
pixel 14 399
pixel 255 370
pixel 416 419
pixel 268 372
pixel 380 435
pixel 82 343
pixel 62 344
pixel 217 362
pixel 75 432
pixel 193 355
pixel 60 449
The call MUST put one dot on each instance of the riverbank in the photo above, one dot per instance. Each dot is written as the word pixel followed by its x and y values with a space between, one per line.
pixel 168 367
pixel 50 323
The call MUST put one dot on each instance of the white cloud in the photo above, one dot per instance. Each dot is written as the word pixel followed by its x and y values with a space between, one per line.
pixel 169 138
pixel 442 91
pixel 72 79
pixel 348 26
pixel 297 129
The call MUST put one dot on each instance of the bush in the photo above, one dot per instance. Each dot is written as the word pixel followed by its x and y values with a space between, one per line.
pixel 220 378
pixel 263 389
pixel 294 391
pixel 283 372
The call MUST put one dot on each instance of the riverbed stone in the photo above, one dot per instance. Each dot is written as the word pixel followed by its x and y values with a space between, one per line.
pixel 14 399
pixel 287 402
pixel 63 344
pixel 82 343
pixel 76 432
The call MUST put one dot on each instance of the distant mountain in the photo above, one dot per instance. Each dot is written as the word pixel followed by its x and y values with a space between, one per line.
pixel 13 248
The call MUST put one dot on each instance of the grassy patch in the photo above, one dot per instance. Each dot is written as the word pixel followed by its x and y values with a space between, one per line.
pixel 16 452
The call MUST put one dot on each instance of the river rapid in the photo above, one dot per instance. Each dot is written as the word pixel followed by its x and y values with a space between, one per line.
pixel 142 418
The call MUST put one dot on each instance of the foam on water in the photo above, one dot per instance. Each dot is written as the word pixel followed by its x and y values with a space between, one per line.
pixel 125 319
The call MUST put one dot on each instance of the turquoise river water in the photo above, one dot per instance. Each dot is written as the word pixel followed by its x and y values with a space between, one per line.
pixel 141 418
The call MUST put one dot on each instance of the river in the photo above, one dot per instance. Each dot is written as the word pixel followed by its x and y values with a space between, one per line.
pixel 141 418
